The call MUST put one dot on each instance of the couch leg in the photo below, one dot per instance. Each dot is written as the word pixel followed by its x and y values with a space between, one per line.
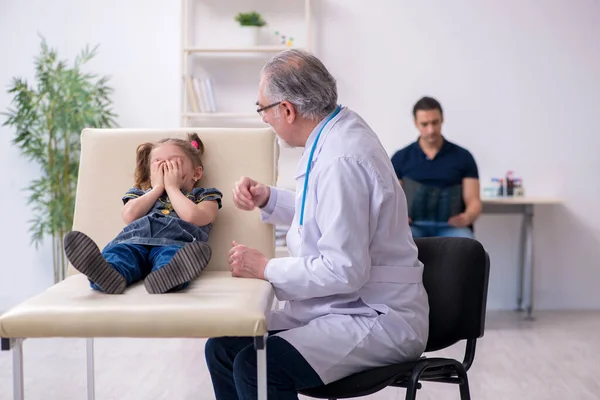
pixel 90 368
pixel 18 385
pixel 260 344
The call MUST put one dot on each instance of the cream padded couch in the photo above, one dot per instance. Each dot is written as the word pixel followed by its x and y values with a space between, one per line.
pixel 216 304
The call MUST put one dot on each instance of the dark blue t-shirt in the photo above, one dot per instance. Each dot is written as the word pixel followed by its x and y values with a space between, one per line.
pixel 448 168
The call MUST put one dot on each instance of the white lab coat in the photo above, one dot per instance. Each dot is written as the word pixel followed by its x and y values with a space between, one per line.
pixel 354 257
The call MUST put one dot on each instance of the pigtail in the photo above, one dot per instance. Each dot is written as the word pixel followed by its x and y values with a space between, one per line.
pixel 194 139
pixel 142 166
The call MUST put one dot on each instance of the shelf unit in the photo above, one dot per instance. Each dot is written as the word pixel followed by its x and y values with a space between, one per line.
pixel 192 54
pixel 255 49
pixel 223 115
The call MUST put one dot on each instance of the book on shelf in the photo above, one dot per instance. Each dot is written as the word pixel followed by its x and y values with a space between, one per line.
pixel 201 95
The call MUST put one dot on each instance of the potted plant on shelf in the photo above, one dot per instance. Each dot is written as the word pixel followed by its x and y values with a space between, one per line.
pixel 48 117
pixel 250 24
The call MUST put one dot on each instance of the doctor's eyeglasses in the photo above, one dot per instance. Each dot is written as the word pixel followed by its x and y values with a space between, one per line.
pixel 261 111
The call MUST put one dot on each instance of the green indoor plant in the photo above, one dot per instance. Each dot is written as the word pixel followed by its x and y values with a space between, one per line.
pixel 48 117
pixel 250 25
pixel 251 18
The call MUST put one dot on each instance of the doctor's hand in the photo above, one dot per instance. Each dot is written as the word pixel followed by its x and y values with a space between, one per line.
pixel 460 220
pixel 246 262
pixel 248 194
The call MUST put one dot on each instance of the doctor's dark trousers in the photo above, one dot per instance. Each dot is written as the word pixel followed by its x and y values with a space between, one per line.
pixel 232 365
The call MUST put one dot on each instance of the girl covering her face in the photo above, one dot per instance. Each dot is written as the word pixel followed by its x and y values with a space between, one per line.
pixel 169 216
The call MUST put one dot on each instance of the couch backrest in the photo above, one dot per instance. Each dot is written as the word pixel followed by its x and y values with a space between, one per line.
pixel 106 172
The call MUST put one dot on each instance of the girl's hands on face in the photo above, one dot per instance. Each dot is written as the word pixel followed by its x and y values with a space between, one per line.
pixel 157 175
pixel 174 174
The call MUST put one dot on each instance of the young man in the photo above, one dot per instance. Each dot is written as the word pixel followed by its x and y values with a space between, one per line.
pixel 440 178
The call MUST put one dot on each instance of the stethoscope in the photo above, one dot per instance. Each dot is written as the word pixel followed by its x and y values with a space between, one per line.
pixel 309 163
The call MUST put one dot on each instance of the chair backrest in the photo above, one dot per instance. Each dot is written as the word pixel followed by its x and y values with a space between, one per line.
pixel 106 172
pixel 456 275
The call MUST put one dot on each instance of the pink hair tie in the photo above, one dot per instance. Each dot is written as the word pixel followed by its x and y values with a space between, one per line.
pixel 195 144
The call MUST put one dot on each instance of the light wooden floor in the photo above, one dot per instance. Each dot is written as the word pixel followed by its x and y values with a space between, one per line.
pixel 555 357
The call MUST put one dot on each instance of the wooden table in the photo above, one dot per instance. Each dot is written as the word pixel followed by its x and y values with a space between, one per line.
pixel 525 207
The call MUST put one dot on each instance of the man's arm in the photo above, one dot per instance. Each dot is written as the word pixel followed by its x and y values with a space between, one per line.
pixel 472 199
pixel 409 218
pixel 396 163
pixel 280 208
pixel 343 263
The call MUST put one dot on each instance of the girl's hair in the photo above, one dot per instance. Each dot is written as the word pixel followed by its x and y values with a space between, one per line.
pixel 193 147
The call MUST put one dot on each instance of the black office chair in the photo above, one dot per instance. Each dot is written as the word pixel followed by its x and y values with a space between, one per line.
pixel 456 277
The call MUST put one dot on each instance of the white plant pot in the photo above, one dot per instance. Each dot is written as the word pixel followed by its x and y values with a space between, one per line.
pixel 248 36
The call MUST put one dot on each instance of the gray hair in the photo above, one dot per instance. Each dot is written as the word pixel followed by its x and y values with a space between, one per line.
pixel 301 78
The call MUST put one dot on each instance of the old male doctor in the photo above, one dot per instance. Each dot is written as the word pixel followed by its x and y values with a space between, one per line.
pixel 353 283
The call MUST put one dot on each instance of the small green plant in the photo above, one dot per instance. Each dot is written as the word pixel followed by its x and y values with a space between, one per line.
pixel 250 19
pixel 48 117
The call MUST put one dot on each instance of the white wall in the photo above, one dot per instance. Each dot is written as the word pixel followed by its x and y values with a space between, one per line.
pixel 139 49
pixel 520 87
pixel 515 78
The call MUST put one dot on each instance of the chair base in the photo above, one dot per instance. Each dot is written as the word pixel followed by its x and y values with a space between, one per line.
pixel 405 375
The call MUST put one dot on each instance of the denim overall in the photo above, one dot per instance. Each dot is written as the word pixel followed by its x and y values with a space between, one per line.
pixel 161 226
pixel 150 242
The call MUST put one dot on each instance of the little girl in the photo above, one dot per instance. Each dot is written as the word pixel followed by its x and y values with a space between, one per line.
pixel 168 216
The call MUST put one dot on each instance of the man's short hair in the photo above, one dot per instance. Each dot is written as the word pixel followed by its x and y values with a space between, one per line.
pixel 426 104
